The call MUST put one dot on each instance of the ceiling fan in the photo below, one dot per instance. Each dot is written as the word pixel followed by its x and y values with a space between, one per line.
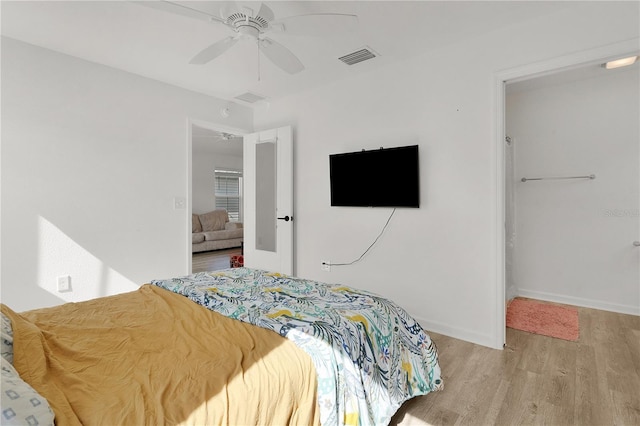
pixel 206 134
pixel 250 22
pixel 224 136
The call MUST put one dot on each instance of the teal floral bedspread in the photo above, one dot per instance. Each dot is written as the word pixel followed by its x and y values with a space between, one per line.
pixel 370 355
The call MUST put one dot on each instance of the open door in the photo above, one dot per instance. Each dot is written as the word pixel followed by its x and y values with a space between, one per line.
pixel 268 200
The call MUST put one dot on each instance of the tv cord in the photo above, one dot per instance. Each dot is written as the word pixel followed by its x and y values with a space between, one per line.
pixel 369 248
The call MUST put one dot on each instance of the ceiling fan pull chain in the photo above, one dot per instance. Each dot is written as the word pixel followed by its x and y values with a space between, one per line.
pixel 258 52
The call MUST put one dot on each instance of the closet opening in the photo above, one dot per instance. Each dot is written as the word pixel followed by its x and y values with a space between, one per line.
pixel 569 175
pixel 571 194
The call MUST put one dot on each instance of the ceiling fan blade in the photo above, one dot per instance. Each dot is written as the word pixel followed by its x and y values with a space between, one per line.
pixel 181 9
pixel 266 12
pixel 248 8
pixel 316 24
pixel 228 8
pixel 280 56
pixel 213 51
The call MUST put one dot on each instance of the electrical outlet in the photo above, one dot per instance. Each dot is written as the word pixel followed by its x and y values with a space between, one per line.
pixel 64 283
pixel 326 265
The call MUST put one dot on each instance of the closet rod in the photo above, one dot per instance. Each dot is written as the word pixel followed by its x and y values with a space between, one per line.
pixel 524 179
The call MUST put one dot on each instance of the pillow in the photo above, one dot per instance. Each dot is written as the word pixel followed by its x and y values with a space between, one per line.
pixel 196 226
pixel 6 339
pixel 232 225
pixel 20 404
pixel 214 221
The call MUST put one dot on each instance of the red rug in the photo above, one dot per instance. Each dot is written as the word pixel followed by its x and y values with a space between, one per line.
pixel 556 321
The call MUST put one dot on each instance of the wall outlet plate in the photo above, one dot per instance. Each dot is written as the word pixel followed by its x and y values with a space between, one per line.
pixel 64 283
pixel 325 265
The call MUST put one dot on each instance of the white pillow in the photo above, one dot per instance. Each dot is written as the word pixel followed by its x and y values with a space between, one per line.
pixel 20 404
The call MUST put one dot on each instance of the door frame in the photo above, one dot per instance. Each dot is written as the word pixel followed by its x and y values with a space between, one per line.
pixel 189 201
pixel 521 73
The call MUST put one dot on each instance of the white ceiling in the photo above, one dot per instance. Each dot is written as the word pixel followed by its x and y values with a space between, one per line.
pixel 158 44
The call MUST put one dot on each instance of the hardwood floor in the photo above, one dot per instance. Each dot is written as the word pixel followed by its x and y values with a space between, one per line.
pixel 212 260
pixel 538 379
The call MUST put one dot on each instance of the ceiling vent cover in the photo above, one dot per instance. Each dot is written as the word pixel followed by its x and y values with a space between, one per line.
pixel 358 56
pixel 250 97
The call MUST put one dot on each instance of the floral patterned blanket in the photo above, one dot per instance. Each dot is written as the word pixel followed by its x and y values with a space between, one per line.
pixel 370 355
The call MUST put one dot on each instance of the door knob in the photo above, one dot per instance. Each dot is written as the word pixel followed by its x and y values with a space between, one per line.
pixel 286 218
pixel 636 243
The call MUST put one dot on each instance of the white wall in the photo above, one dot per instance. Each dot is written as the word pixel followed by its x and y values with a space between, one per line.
pixel 571 246
pixel 203 186
pixel 439 261
pixel 92 158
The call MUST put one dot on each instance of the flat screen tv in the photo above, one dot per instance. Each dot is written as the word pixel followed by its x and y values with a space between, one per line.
pixel 378 178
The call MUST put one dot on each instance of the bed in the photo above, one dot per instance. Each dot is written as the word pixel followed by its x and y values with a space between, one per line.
pixel 268 349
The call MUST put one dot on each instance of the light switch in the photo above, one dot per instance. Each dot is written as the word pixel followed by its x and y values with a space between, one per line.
pixel 179 203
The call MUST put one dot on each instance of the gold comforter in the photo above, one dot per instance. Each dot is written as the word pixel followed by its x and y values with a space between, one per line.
pixel 154 357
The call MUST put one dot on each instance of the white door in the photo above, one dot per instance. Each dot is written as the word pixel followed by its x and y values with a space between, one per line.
pixel 268 200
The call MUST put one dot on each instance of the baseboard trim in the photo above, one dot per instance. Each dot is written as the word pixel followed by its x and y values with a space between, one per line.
pixel 578 301
pixel 457 333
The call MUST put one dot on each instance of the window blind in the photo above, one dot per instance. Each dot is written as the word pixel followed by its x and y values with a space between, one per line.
pixel 228 192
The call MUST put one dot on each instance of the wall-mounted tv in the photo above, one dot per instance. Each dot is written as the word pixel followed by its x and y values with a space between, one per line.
pixel 385 177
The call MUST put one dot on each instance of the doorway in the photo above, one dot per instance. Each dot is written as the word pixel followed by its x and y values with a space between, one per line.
pixel 528 75
pixel 575 140
pixel 277 256
pixel 215 156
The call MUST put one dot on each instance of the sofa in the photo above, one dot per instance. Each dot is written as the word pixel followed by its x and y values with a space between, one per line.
pixel 213 231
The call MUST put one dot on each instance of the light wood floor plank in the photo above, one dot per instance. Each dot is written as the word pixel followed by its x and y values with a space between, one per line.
pixel 587 390
pixel 633 342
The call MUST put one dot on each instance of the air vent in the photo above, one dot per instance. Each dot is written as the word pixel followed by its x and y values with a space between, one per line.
pixel 358 56
pixel 250 97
